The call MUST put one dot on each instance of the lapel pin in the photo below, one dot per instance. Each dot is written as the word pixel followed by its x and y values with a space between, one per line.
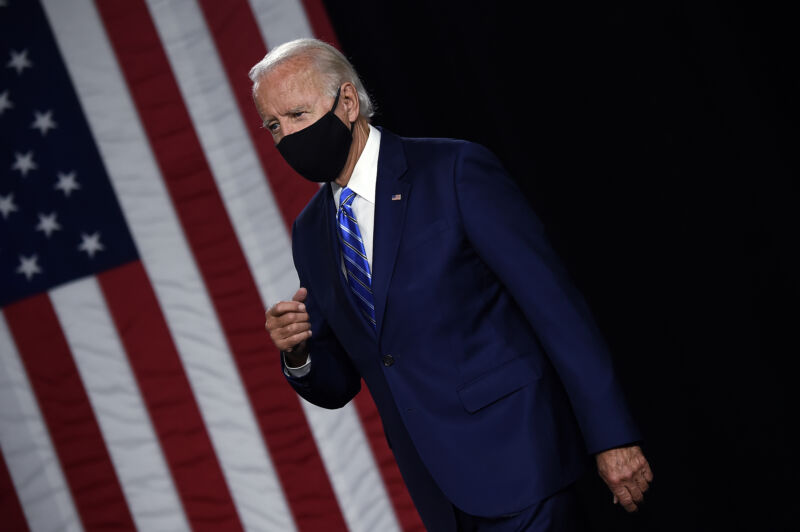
pixel 397 197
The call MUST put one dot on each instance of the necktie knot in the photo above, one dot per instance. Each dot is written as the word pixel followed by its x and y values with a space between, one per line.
pixel 347 197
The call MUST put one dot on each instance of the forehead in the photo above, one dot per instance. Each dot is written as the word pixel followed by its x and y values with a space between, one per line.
pixel 291 83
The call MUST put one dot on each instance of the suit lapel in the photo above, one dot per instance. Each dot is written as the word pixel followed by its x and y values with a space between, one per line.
pixel 389 218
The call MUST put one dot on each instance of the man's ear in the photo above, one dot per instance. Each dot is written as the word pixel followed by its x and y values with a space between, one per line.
pixel 350 102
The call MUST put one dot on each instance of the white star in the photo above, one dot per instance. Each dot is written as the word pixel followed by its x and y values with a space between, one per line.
pixel 7 205
pixel 91 243
pixel 67 183
pixel 5 102
pixel 28 267
pixel 43 122
pixel 24 163
pixel 48 224
pixel 19 61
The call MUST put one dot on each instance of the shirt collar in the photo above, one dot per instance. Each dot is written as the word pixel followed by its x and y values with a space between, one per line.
pixel 365 173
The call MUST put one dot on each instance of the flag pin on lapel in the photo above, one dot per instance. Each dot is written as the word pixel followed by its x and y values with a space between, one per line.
pixel 397 197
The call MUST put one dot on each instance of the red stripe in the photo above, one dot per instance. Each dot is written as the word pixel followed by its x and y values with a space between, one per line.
pixel 10 509
pixel 221 262
pixel 241 46
pixel 169 399
pixel 403 505
pixel 236 36
pixel 320 23
pixel 66 409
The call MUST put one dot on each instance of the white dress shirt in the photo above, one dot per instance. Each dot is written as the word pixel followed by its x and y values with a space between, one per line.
pixel 362 182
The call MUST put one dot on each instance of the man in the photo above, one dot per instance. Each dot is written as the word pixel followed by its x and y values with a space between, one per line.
pixel 424 271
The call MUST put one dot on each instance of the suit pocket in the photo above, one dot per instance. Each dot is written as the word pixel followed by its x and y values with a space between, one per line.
pixel 497 383
pixel 426 234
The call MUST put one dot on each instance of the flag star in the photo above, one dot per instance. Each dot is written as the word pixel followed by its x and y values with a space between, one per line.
pixel 67 183
pixel 91 243
pixel 19 61
pixel 7 205
pixel 24 163
pixel 48 224
pixel 43 122
pixel 5 102
pixel 28 266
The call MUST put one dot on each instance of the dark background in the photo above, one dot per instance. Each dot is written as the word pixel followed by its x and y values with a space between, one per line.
pixel 657 141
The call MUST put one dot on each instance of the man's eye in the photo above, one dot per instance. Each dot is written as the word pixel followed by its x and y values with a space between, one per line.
pixel 298 114
pixel 273 127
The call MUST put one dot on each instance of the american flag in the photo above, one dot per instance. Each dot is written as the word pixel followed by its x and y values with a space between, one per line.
pixel 143 231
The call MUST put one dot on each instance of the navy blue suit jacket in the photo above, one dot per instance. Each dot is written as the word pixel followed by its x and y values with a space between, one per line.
pixel 499 382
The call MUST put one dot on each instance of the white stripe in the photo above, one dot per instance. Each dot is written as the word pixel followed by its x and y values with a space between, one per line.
pixel 265 241
pixel 352 234
pixel 234 163
pixel 280 21
pixel 353 262
pixel 170 266
pixel 118 406
pixel 32 463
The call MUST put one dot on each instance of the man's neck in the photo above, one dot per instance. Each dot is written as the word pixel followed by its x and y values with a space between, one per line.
pixel 360 136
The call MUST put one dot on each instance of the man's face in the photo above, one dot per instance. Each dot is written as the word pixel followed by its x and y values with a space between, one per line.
pixel 290 98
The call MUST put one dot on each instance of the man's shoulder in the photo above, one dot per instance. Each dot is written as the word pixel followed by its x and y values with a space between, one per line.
pixel 434 148
pixel 427 144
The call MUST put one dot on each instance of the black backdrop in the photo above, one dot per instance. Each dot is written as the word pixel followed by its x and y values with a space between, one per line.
pixel 657 141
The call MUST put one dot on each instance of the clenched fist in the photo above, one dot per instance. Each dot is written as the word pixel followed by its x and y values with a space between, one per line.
pixel 289 327
pixel 626 472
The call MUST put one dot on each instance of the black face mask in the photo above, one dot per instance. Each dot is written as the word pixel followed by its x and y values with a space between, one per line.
pixel 319 151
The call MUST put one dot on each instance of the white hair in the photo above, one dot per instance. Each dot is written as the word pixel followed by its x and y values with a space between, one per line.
pixel 333 68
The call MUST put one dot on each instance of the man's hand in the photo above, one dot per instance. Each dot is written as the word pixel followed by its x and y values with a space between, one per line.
pixel 627 474
pixel 289 327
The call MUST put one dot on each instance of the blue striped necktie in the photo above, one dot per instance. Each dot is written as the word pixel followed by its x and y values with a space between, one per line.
pixel 359 277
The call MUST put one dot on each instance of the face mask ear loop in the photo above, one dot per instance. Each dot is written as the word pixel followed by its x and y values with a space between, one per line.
pixel 336 101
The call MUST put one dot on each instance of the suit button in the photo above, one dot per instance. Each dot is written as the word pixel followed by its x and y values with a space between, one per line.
pixel 388 360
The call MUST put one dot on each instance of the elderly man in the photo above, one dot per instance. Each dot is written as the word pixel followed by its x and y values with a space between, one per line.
pixel 424 272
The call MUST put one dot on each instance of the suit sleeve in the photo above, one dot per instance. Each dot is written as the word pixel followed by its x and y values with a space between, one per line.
pixel 333 380
pixel 509 237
